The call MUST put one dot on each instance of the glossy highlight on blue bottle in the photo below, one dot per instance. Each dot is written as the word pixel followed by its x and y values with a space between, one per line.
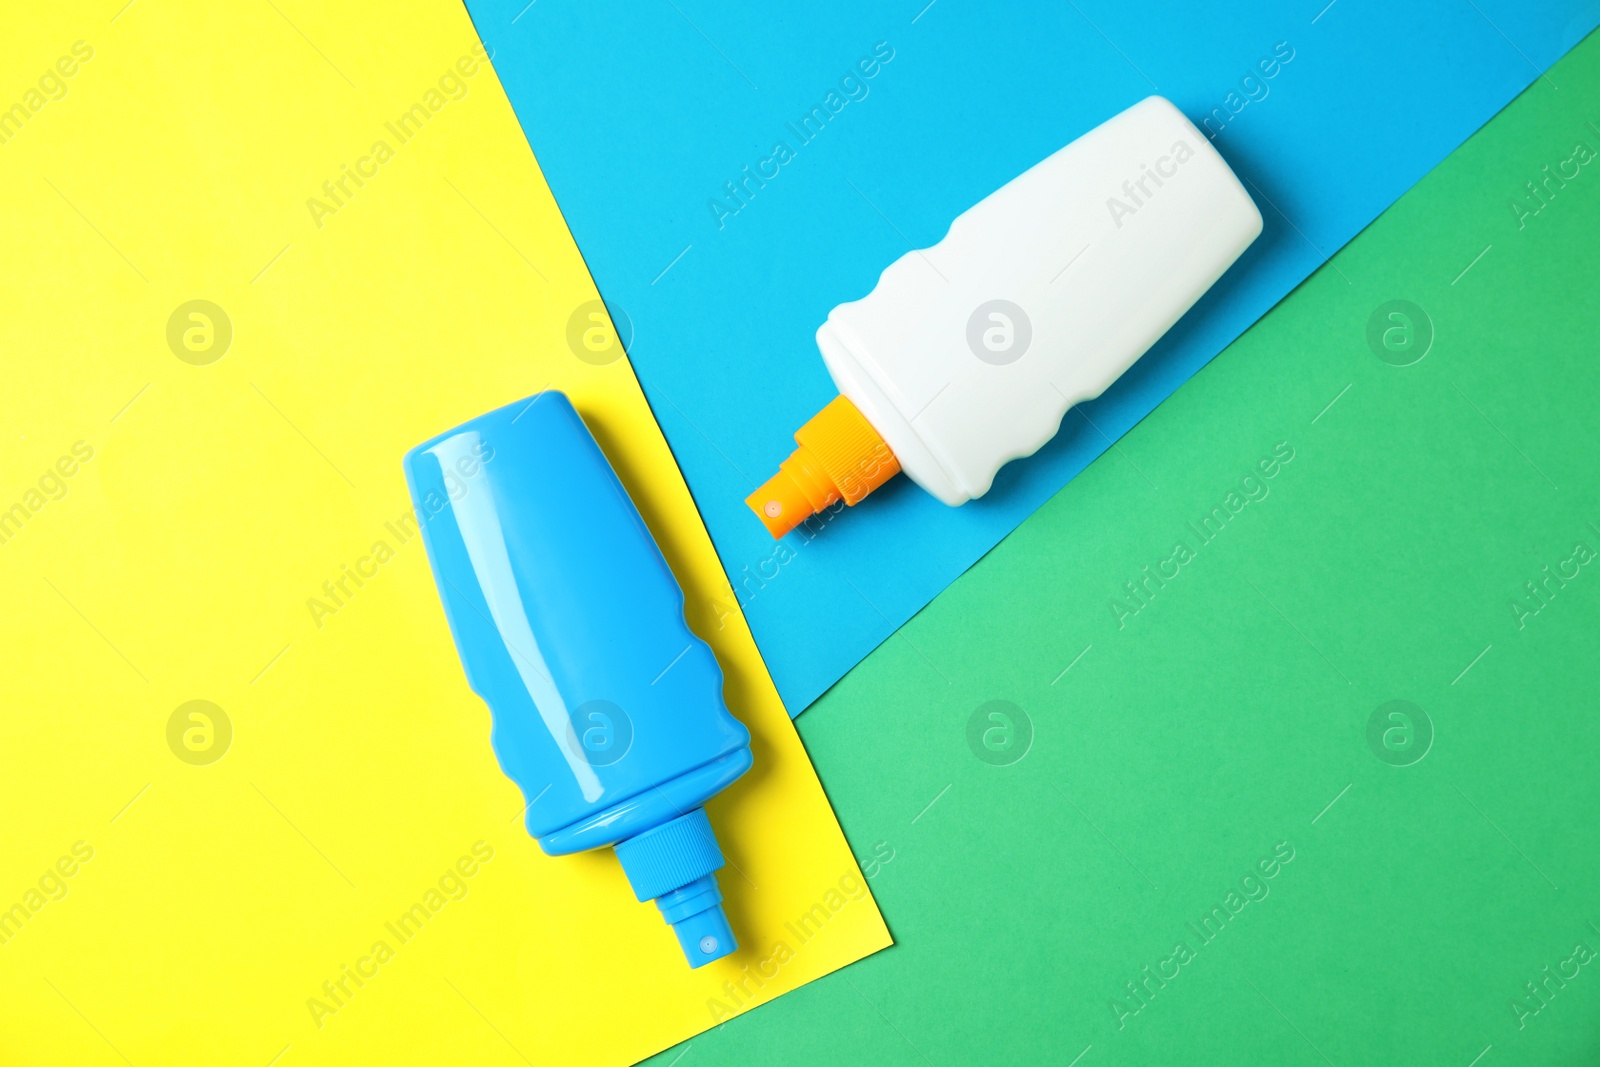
pixel 607 710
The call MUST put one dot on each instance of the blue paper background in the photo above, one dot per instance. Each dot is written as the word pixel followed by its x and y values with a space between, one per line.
pixel 639 113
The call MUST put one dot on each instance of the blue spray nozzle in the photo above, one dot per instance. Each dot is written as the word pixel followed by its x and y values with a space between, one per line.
pixel 704 935
pixel 675 865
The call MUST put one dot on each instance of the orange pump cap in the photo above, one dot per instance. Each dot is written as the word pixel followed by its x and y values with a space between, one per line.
pixel 840 456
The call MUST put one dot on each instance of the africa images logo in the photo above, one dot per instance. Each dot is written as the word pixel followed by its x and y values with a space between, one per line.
pixel 1165 167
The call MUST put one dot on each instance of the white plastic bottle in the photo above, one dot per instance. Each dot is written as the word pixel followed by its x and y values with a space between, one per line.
pixel 967 354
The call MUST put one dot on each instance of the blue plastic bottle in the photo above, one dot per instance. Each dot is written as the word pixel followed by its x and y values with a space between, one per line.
pixel 607 710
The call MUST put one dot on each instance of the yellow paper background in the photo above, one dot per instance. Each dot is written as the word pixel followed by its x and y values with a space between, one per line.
pixel 177 563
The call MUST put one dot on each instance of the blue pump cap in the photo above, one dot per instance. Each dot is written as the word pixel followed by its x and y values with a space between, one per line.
pixel 674 864
pixel 705 935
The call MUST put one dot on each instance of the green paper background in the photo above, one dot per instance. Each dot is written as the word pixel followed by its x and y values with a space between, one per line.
pixel 1230 714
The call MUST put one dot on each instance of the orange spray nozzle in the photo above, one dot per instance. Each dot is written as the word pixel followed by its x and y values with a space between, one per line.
pixel 840 457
